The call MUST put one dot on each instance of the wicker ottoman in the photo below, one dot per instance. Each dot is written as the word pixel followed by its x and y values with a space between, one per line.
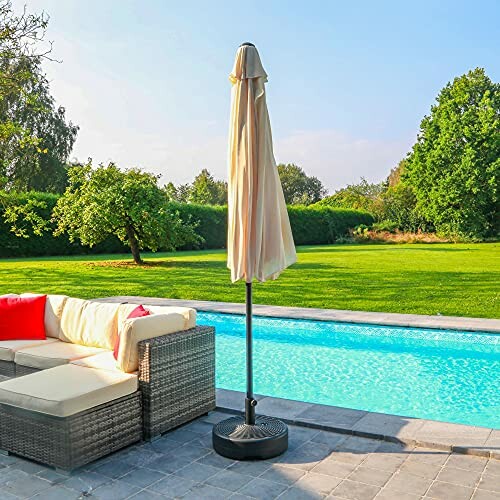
pixel 41 424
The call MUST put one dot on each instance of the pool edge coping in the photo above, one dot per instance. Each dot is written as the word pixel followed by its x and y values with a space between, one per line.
pixel 233 401
pixel 479 325
pixel 425 433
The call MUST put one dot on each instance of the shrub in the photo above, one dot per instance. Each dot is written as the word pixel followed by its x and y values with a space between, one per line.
pixel 310 226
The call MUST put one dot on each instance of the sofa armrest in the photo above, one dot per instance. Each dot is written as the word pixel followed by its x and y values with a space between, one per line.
pixel 176 378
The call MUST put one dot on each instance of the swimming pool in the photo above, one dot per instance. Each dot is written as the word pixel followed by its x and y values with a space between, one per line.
pixel 443 375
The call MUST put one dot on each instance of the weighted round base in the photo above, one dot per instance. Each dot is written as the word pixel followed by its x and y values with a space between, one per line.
pixel 233 438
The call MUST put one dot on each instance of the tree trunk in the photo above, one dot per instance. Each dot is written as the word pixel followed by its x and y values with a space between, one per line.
pixel 134 245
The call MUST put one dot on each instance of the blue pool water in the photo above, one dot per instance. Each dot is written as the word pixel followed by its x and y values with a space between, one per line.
pixel 434 374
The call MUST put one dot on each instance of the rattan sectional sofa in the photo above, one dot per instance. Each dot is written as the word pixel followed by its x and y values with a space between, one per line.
pixel 67 400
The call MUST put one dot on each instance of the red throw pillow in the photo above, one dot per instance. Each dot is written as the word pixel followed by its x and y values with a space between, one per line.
pixel 22 318
pixel 138 312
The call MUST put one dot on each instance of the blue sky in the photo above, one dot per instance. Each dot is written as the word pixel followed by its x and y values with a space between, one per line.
pixel 348 85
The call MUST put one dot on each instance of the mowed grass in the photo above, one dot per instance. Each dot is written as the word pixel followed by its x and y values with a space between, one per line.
pixel 449 279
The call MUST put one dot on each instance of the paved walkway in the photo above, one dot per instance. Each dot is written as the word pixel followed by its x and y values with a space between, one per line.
pixel 318 464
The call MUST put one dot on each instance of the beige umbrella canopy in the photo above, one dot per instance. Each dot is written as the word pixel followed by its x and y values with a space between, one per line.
pixel 260 243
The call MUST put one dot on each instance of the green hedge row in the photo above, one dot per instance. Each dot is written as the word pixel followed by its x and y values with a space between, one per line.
pixel 310 226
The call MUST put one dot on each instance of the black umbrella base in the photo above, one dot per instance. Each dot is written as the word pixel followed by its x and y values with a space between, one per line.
pixel 233 438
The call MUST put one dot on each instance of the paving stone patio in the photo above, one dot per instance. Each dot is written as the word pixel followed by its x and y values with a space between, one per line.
pixel 318 464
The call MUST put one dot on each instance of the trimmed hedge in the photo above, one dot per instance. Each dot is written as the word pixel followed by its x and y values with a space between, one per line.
pixel 310 226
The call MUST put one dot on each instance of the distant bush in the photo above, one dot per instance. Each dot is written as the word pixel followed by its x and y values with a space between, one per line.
pixel 310 226
pixel 319 225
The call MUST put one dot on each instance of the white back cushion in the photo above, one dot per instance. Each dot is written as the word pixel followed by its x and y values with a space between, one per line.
pixel 92 324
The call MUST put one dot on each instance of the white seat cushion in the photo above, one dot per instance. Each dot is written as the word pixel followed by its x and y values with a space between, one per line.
pixel 66 390
pixel 188 313
pixel 102 361
pixel 92 324
pixel 53 354
pixel 8 348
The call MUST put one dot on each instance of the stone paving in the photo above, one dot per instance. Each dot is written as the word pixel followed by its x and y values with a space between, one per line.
pixel 318 464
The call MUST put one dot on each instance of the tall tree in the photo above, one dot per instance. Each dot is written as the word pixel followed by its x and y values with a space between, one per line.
pixel 35 139
pixel 454 165
pixel 298 187
pixel 128 204
pixel 205 190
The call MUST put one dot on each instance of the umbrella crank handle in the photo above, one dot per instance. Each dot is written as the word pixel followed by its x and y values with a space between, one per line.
pixel 250 404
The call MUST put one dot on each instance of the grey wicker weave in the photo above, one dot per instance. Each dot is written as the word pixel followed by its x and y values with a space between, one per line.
pixel 25 370
pixel 176 378
pixel 70 442
pixel 7 368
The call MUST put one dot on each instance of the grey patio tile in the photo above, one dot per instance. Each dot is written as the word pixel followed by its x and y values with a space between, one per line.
pixel 4 495
pixel 429 456
pixel 52 476
pixel 395 449
pixel 140 457
pixel 57 492
pixel 203 491
pixel 282 408
pixel 306 456
pixel 8 459
pixel 383 461
pixel 493 467
pixel 284 475
pixel 165 446
pixel 28 466
pixel 169 463
pixel 490 482
pixel 200 427
pixel 405 482
pixel 485 495
pixel 298 434
pixel 232 481
pixel 353 490
pixel 251 468
pixel 439 431
pixel 447 491
pixel 216 460
pixel 262 489
pixel 173 486
pixel 191 452
pixel 114 469
pixel 239 496
pixel 359 444
pixel 318 483
pixel 182 435
pixel 467 462
pixel 462 477
pixel 335 468
pixel 386 494
pixel 348 457
pixel 86 482
pixel 333 416
pixel 142 477
pixel 148 495
pixel 387 425
pixel 214 417
pixel 197 472
pixel 330 439
pixel 422 469
pixel 296 493
pixel 116 490
pixel 366 475
pixel 26 486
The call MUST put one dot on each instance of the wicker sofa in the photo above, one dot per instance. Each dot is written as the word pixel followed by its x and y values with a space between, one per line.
pixel 67 401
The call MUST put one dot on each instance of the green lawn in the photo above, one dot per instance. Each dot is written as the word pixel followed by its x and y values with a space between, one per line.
pixel 460 279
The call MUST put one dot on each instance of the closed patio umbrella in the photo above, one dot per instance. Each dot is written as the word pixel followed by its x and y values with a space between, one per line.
pixel 260 243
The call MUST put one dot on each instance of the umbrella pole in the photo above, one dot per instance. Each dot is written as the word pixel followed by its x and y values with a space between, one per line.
pixel 250 402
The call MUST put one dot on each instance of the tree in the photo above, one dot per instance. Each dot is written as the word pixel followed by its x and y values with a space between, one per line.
pixel 298 187
pixel 205 190
pixel 179 193
pixel 453 167
pixel 35 140
pixel 362 196
pixel 128 204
